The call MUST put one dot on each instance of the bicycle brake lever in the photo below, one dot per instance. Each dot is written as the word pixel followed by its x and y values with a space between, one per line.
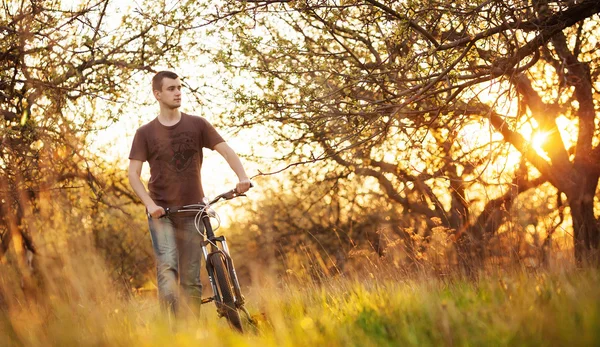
pixel 230 195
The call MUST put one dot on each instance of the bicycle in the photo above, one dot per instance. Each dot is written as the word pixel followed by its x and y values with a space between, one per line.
pixel 227 294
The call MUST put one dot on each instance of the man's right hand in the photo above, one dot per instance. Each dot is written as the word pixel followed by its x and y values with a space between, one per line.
pixel 155 211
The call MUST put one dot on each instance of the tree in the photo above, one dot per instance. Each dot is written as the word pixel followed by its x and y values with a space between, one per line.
pixel 398 90
pixel 64 73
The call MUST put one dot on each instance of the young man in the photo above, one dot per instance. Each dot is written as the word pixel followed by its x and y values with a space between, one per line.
pixel 172 144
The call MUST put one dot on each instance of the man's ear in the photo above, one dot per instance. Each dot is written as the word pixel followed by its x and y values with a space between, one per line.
pixel 156 94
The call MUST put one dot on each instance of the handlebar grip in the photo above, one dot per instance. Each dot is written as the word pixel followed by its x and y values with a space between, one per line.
pixel 234 190
pixel 167 212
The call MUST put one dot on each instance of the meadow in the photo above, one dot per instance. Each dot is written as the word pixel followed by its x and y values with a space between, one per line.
pixel 519 307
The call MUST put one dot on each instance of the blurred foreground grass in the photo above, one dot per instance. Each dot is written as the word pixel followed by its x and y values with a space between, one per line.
pixel 519 309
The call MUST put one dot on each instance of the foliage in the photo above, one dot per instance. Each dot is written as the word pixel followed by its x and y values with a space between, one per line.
pixel 314 230
pixel 439 102
pixel 418 119
pixel 67 71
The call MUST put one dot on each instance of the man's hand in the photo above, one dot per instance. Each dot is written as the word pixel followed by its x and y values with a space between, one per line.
pixel 155 211
pixel 243 186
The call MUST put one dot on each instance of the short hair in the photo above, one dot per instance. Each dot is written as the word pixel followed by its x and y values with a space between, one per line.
pixel 158 79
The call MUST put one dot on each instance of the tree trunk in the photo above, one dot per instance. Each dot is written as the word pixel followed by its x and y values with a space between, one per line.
pixel 586 234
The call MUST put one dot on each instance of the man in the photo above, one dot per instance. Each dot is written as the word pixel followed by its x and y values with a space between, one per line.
pixel 172 144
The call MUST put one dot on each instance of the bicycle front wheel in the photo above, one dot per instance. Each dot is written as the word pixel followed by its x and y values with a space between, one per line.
pixel 223 282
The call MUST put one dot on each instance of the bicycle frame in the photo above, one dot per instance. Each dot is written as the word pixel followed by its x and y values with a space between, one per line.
pixel 212 244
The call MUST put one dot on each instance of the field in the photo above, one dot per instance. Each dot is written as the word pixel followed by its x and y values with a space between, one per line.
pixel 520 308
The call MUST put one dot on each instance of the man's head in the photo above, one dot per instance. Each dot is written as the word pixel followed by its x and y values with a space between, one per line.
pixel 166 88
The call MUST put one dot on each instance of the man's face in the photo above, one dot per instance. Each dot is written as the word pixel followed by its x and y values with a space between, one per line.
pixel 170 93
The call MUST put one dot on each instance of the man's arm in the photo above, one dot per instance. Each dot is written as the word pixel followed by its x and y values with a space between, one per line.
pixel 135 171
pixel 236 165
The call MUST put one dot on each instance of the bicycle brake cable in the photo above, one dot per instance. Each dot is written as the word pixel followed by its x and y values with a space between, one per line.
pixel 198 221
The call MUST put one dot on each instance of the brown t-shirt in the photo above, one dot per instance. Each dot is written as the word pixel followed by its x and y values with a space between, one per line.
pixel 175 157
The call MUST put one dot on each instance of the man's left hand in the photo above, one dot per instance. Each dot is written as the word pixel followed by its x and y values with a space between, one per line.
pixel 243 186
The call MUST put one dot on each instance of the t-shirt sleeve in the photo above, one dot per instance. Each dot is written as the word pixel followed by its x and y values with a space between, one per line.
pixel 139 149
pixel 210 136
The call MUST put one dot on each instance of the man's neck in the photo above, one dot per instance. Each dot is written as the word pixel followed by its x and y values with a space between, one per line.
pixel 169 116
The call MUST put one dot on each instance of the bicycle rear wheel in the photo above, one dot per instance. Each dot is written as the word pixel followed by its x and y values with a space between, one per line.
pixel 224 284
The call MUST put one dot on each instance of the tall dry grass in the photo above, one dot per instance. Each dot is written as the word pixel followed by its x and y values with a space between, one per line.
pixel 75 304
pixel 71 298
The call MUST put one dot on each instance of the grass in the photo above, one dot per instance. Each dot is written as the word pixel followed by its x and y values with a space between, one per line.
pixel 516 309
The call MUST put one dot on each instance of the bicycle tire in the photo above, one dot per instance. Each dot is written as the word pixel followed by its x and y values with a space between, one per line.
pixel 224 284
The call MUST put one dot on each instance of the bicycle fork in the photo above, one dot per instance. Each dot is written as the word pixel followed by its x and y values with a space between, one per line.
pixel 224 251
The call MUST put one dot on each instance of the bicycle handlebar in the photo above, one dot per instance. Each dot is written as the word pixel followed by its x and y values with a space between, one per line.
pixel 227 196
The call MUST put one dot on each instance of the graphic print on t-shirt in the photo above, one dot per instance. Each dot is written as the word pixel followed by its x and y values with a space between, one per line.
pixel 177 153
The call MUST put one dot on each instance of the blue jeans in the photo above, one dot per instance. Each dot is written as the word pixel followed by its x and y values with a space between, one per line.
pixel 178 251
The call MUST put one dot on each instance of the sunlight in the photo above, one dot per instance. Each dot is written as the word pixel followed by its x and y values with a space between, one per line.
pixel 538 139
pixel 513 158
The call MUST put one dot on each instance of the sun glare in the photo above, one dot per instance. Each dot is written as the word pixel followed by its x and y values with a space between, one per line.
pixel 538 139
